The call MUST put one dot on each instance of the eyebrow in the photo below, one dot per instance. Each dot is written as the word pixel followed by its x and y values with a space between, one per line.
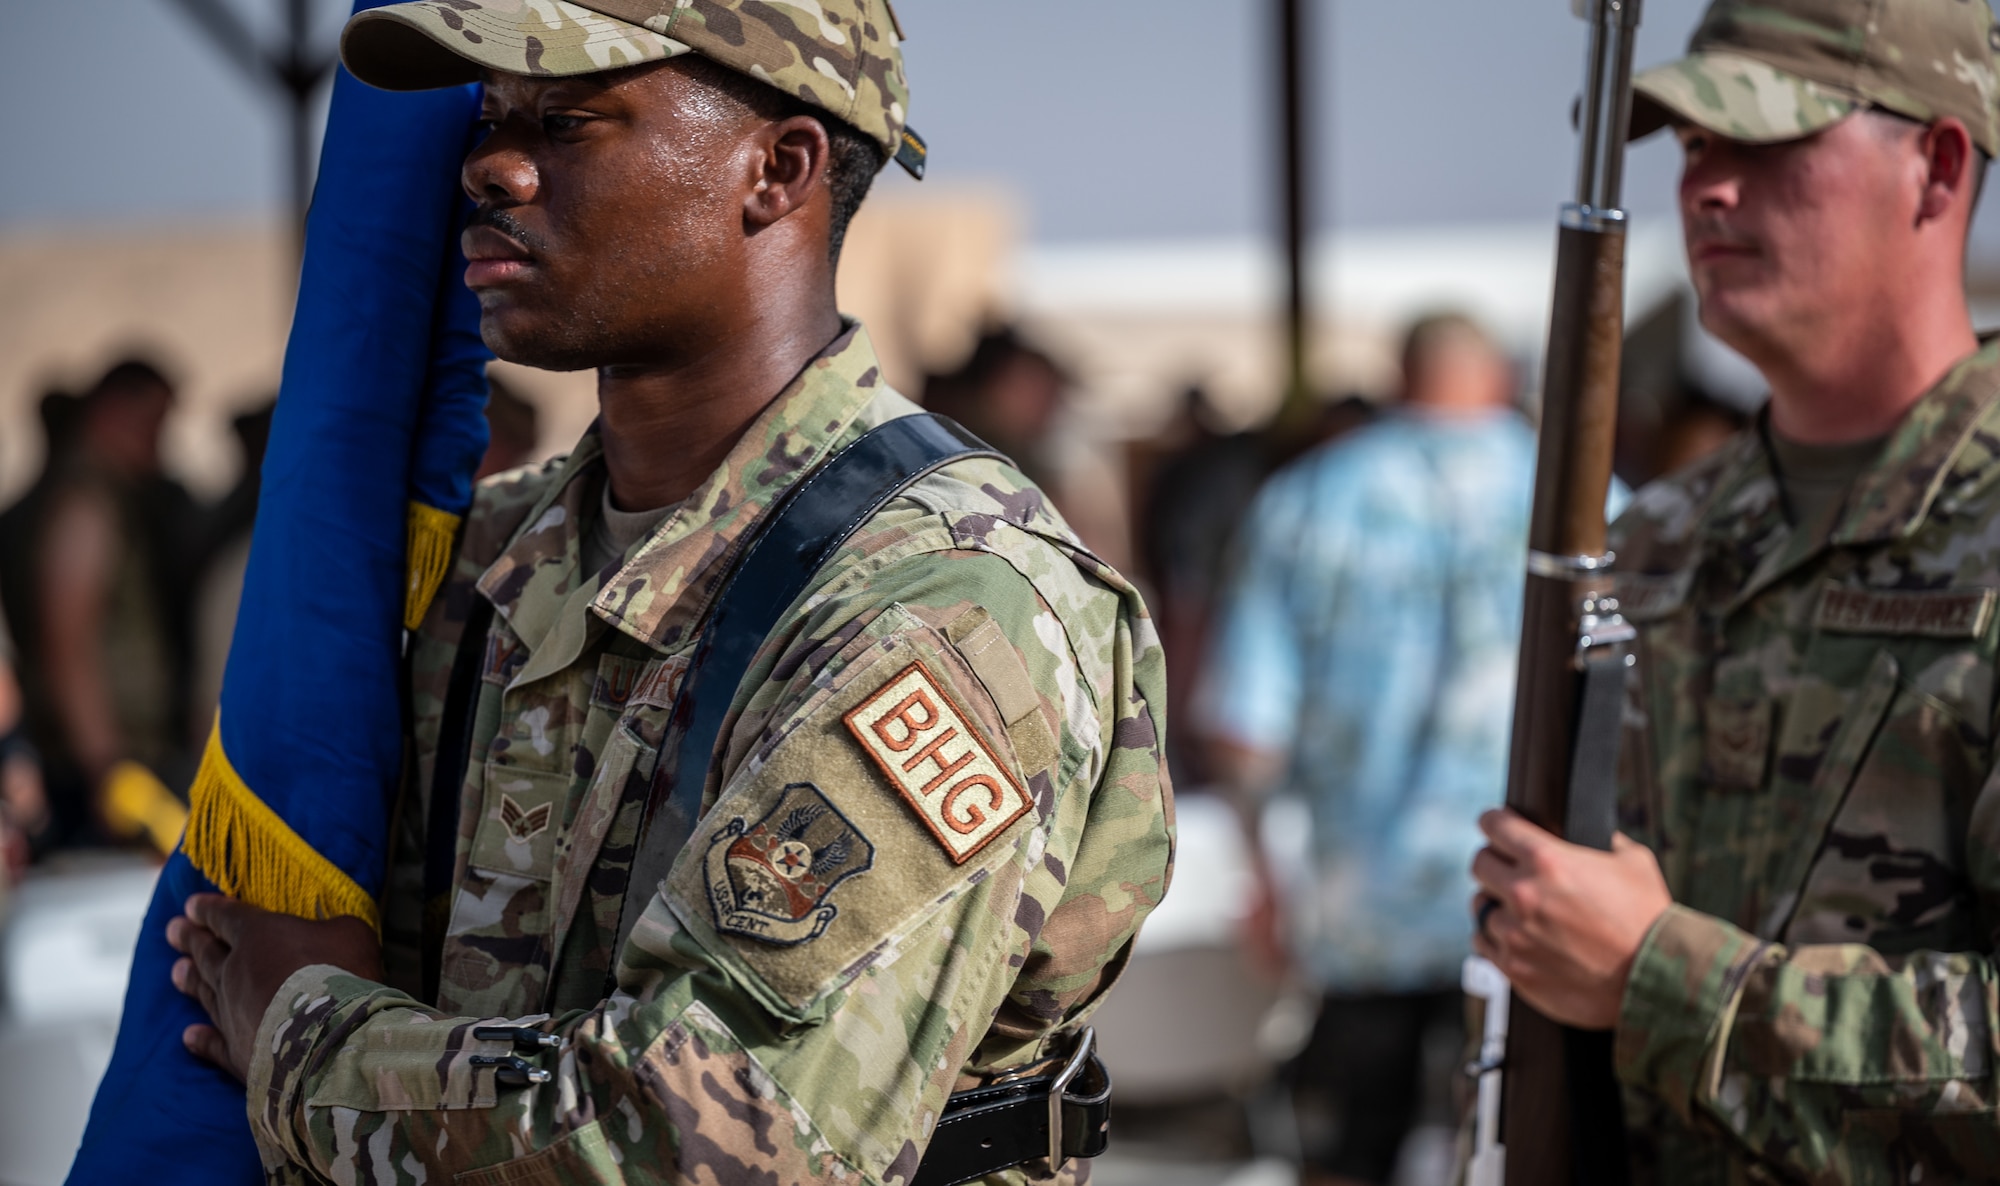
pixel 590 84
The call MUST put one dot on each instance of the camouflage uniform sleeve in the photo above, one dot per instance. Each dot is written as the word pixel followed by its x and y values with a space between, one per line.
pixel 359 1082
pixel 940 823
pixel 1825 1059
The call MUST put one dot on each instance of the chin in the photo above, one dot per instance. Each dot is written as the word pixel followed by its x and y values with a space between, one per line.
pixel 544 342
pixel 1738 315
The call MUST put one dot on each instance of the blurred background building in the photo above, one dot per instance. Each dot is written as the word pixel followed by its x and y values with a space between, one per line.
pixel 1125 205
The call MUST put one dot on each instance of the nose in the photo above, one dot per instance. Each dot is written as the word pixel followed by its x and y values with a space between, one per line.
pixel 499 171
pixel 1710 182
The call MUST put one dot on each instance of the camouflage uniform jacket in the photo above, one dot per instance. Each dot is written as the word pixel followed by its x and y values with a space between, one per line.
pixel 1809 748
pixel 937 817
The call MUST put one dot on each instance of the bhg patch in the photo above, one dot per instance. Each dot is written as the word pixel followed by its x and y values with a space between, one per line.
pixel 770 880
pixel 938 762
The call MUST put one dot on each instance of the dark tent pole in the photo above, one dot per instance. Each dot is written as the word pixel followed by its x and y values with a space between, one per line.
pixel 294 73
pixel 299 75
pixel 1292 34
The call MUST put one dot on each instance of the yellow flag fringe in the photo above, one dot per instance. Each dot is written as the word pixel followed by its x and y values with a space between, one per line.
pixel 431 534
pixel 251 853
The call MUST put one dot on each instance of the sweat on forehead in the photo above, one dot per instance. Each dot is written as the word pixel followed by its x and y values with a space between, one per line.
pixel 723 84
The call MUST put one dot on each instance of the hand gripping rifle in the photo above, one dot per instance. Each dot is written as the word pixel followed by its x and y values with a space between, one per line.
pixel 1551 1089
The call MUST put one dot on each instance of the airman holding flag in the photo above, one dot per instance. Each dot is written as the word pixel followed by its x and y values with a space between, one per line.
pixel 934 812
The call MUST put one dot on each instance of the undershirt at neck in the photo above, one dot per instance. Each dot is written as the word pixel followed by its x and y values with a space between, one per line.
pixel 1815 477
pixel 613 533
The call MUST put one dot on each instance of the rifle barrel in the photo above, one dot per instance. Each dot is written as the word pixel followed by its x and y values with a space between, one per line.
pixel 1607 104
pixel 1560 1118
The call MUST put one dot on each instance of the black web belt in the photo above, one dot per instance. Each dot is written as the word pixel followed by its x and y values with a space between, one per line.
pixel 1057 1116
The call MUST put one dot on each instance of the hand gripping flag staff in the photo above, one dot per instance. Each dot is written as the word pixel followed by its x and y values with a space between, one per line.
pixel 378 429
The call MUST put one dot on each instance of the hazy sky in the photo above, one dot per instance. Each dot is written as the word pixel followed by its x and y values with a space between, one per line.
pixel 1110 118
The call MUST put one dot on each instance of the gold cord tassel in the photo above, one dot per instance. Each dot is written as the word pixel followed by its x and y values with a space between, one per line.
pixel 251 853
pixel 431 534
pixel 137 803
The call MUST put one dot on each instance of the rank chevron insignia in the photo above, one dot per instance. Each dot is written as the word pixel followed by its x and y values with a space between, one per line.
pixel 524 825
pixel 770 880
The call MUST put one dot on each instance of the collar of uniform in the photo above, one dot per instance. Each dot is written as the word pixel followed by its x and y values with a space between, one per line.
pixel 1742 523
pixel 545 554
pixel 1748 534
pixel 665 588
pixel 1894 495
pixel 1762 542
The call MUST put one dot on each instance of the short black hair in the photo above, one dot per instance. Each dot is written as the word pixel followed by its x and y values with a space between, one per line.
pixel 134 373
pixel 852 164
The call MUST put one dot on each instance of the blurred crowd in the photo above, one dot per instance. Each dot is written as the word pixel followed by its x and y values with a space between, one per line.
pixel 118 589
pixel 1338 592
pixel 118 594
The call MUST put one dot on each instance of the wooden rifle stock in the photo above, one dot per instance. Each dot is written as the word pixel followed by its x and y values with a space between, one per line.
pixel 1552 1074
pixel 1561 1117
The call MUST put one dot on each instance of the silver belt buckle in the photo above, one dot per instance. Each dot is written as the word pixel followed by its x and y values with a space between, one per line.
pixel 1084 1044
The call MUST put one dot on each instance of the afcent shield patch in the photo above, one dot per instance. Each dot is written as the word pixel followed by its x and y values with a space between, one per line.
pixel 939 763
pixel 770 880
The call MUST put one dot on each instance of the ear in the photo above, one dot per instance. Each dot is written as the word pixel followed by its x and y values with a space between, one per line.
pixel 795 154
pixel 1948 181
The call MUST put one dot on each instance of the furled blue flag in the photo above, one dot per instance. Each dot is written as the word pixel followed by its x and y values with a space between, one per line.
pixel 378 429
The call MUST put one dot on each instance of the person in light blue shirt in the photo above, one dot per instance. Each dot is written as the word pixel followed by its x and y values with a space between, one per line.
pixel 1363 662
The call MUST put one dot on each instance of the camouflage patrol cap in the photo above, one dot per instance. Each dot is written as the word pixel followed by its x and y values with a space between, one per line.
pixel 841 56
pixel 1762 71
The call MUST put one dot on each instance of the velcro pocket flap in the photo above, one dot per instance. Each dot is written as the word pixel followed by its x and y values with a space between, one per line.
pixel 407 1062
pixel 1030 722
pixel 523 816
pixel 890 792
pixel 1736 742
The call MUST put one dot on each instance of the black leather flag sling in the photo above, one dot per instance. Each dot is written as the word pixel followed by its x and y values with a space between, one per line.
pixel 807 526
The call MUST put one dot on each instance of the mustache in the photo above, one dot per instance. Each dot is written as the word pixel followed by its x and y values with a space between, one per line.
pixel 1713 233
pixel 504 222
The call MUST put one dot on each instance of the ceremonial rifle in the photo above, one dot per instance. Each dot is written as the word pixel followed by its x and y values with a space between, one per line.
pixel 1559 1114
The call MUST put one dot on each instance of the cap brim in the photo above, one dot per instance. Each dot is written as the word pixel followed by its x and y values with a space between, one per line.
pixel 420 46
pixel 1735 96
